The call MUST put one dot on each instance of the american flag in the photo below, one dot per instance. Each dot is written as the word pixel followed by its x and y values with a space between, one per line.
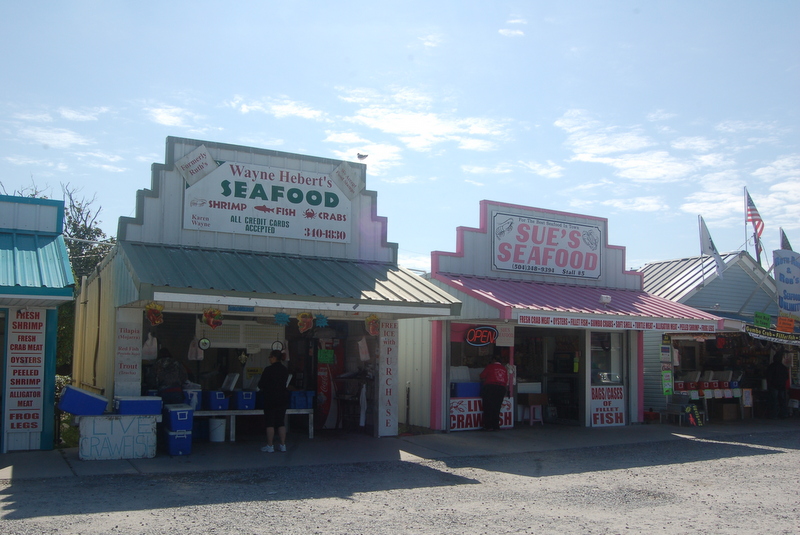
pixel 753 216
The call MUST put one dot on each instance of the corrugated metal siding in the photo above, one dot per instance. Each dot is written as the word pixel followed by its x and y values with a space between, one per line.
pixel 271 274
pixel 653 394
pixel 674 279
pixel 414 349
pixel 31 215
pixel 34 261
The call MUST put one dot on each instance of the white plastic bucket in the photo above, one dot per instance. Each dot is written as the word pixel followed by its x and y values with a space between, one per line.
pixel 216 429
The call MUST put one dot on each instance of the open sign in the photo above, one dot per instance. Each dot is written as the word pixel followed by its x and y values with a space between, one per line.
pixel 481 336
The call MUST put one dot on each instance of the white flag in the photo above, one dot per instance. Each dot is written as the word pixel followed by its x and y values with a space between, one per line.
pixel 707 246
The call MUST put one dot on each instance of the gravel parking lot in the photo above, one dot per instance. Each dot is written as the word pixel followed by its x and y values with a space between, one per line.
pixel 733 484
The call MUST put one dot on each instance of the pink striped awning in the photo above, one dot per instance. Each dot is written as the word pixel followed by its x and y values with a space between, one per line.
pixel 538 303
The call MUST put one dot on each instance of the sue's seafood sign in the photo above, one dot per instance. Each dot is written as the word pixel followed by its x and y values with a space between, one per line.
pixel 545 246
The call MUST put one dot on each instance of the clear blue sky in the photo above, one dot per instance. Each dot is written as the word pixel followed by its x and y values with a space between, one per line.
pixel 647 113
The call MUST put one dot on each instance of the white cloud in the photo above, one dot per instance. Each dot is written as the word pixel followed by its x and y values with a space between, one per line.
pixel 348 138
pixel 713 160
pixel 108 168
pixel 431 41
pixel 170 116
pixel 59 138
pixel 653 166
pixel 782 168
pixel 478 170
pixel 511 33
pixel 289 108
pixel 741 126
pixel 100 156
pixel 517 21
pixel 697 144
pixel 475 183
pixel 660 115
pixel 550 170
pixel 34 117
pixel 475 144
pixel 382 157
pixel 408 179
pixel 718 199
pixel 280 108
pixel 638 204
pixel 85 115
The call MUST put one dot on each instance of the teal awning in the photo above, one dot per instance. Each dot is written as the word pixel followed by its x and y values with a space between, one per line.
pixel 195 275
pixel 34 269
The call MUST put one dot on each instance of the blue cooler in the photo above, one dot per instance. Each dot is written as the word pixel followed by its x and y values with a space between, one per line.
pixel 179 442
pixel 139 405
pixel 178 417
pixel 81 403
pixel 244 400
pixel 215 400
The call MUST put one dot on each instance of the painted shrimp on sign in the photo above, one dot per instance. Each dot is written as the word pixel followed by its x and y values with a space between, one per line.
pixel 260 200
pixel 547 247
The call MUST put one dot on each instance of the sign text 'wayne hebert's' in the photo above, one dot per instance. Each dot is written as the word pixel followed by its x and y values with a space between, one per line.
pixel 544 246
pixel 268 201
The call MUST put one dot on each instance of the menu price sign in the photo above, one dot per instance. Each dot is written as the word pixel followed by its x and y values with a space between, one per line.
pixel 25 370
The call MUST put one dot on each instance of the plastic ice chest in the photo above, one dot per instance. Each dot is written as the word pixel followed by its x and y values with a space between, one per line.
pixel 137 404
pixel 179 442
pixel 81 403
pixel 215 400
pixel 465 390
pixel 178 417
pixel 298 400
pixel 244 400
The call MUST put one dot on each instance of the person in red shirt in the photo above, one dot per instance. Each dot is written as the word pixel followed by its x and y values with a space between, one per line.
pixel 495 384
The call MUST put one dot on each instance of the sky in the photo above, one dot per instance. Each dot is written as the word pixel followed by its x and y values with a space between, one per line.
pixel 645 113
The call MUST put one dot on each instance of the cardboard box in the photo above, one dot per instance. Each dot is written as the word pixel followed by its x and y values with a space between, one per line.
pixel 81 403
pixel 215 400
pixel 179 417
pixel 465 390
pixel 142 405
pixel 179 442
pixel 244 400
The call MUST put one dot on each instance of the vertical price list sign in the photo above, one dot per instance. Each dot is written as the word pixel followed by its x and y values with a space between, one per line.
pixel 25 370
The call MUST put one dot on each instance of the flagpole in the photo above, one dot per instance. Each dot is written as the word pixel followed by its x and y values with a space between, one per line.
pixel 746 237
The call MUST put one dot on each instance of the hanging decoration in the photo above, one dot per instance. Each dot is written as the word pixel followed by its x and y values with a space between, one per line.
pixel 373 324
pixel 154 315
pixel 212 317
pixel 281 318
pixel 304 321
pixel 320 320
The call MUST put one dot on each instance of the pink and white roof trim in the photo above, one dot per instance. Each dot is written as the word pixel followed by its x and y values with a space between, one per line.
pixel 514 298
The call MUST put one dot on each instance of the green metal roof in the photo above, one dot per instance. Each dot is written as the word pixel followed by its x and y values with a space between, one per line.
pixel 274 277
pixel 34 265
